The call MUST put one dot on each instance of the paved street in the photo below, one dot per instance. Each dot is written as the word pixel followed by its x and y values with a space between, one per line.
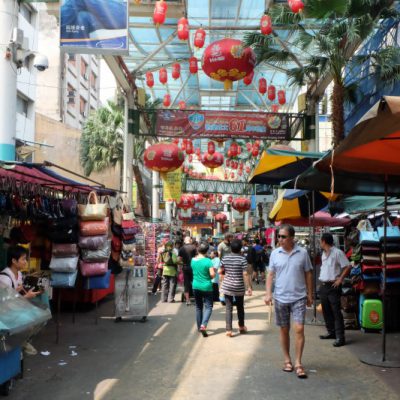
pixel 165 358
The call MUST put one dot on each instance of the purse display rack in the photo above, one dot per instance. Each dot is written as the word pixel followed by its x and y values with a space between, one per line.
pixel 150 249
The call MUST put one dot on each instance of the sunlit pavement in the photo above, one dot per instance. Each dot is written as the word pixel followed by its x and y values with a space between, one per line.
pixel 166 358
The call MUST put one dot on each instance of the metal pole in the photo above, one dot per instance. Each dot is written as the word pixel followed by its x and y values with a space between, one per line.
pixel 8 81
pixel 155 210
pixel 384 272
pixel 128 156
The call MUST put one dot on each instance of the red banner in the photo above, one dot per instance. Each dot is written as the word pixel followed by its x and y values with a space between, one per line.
pixel 220 124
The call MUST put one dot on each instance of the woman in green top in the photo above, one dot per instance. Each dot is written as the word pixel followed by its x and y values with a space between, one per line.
pixel 203 273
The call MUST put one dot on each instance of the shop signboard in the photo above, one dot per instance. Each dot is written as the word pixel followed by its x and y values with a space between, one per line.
pixel 173 185
pixel 94 26
pixel 219 124
pixel 208 207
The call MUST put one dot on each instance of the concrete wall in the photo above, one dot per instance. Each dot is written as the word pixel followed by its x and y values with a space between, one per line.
pixel 65 151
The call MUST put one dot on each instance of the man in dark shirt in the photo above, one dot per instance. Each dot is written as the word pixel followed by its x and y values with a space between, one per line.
pixel 185 255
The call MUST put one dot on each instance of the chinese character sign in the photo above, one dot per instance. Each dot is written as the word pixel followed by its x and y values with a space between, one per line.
pixel 173 185
pixel 94 26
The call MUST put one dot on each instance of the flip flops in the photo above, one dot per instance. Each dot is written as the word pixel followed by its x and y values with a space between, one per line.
pixel 287 367
pixel 300 372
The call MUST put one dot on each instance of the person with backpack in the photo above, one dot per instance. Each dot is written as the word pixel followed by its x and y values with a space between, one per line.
pixel 260 260
pixel 169 262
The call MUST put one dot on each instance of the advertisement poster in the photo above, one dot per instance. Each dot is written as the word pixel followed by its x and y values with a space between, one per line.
pixel 173 185
pixel 94 26
pixel 215 124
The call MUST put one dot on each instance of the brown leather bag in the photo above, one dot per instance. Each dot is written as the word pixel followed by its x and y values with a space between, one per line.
pixel 64 249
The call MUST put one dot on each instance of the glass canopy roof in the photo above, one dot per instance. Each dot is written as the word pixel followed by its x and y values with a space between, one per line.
pixel 152 47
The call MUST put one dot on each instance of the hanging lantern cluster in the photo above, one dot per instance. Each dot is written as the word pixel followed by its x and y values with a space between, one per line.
pixel 227 60
pixel 266 25
pixel 296 6
pixel 199 38
pixel 241 204
pixel 163 157
pixel 183 29
pixel 160 12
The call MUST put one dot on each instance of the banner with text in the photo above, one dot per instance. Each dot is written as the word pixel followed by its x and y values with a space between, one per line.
pixel 216 124
pixel 173 185
pixel 94 26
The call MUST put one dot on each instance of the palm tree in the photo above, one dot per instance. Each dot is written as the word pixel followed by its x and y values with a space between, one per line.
pixel 322 42
pixel 102 144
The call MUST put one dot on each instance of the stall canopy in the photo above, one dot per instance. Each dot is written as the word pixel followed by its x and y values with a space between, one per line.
pixel 45 176
pixel 276 166
pixel 373 145
pixel 320 218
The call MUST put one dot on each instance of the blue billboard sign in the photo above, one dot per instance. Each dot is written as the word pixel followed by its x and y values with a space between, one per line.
pixel 94 26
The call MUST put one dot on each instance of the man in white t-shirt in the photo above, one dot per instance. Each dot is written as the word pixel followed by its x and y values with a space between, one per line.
pixel 334 268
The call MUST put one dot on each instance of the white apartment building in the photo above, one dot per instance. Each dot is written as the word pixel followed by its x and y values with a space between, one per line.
pixel 71 87
pixel 27 81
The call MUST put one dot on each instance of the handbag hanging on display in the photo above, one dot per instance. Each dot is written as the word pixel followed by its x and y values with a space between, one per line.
pixel 64 250
pixel 92 211
pixel 68 264
pixel 93 228
pixel 118 210
pixel 92 242
pixel 101 254
pixel 392 232
pixel 97 282
pixel 93 269
pixel 63 280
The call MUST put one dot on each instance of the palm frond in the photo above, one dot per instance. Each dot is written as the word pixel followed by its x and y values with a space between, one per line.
pixel 274 56
pixel 320 9
pixel 251 39
pixel 304 39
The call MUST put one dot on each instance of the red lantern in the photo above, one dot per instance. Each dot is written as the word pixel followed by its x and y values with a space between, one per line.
pixel 189 147
pixel 271 92
pixel 274 108
pixel 266 25
pixel 248 146
pixel 163 157
pixel 234 149
pixel 186 201
pixel 296 6
pixel 226 176
pixel 160 12
pixel 198 198
pixel 183 29
pixel 241 204
pixel 211 147
pixel 281 97
pixel 193 65
pixel 221 218
pixel 220 198
pixel 182 105
pixel 226 60
pixel 240 172
pixel 198 151
pixel 228 162
pixel 230 199
pixel 248 78
pixel 167 101
pixel 176 70
pixel 190 158
pixel 212 161
pixel 257 143
pixel 262 86
pixel 199 38
pixel 176 141
pixel 232 175
pixel 239 150
pixel 149 79
pixel 163 76
pixel 248 169
pixel 255 152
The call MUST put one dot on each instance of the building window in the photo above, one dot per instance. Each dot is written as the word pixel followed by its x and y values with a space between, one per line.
pixel 83 107
pixel 84 69
pixel 71 92
pixel 93 80
pixel 26 12
pixel 22 106
pixel 71 58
